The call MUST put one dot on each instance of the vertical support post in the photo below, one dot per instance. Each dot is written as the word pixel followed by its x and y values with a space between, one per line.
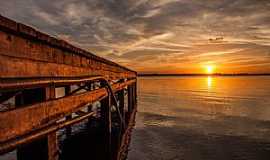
pixel 52 146
pixel 134 94
pixel 52 142
pixel 89 108
pixel 121 98
pixel 135 90
pixel 130 99
pixel 121 95
pixel 44 148
pixel 68 129
pixel 106 125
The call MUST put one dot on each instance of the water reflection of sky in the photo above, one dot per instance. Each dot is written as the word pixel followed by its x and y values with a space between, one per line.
pixel 202 111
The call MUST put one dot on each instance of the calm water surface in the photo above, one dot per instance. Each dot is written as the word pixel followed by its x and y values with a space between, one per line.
pixel 202 118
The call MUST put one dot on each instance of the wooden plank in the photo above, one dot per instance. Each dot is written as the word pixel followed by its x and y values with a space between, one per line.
pixel 10 145
pixel 23 120
pixel 29 118
pixel 12 67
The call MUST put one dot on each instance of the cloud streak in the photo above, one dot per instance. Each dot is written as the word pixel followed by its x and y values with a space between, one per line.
pixel 174 35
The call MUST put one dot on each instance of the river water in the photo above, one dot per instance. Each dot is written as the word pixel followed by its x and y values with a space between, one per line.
pixel 202 118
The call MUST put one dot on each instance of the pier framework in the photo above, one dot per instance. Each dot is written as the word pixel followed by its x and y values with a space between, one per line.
pixel 47 85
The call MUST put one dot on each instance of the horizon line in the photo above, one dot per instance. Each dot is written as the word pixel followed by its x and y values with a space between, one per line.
pixel 202 74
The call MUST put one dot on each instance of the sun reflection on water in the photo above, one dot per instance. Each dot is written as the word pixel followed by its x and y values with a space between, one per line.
pixel 209 82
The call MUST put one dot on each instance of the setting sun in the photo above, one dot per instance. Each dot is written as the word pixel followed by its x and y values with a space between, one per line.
pixel 209 69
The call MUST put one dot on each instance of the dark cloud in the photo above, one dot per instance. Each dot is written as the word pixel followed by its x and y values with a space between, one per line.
pixel 167 33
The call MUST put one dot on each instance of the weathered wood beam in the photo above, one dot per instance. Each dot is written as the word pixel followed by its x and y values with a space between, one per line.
pixel 26 52
pixel 13 67
pixel 12 84
pixel 8 146
pixel 22 120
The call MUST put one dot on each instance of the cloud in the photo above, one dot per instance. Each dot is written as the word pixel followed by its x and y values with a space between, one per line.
pixel 48 18
pixel 167 33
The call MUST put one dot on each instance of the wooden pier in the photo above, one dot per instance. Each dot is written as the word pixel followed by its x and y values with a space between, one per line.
pixel 47 86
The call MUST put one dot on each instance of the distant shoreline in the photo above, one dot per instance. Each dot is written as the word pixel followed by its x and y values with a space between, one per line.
pixel 216 74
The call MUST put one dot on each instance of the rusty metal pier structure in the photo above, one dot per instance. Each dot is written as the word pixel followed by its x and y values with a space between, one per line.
pixel 48 85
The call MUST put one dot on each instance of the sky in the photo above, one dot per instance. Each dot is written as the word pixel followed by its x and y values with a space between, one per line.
pixel 158 36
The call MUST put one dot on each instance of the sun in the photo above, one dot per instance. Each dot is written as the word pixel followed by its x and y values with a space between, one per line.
pixel 209 69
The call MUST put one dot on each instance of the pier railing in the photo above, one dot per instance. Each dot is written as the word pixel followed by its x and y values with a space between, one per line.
pixel 46 84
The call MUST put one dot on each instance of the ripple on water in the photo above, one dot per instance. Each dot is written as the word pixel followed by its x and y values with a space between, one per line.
pixel 191 119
